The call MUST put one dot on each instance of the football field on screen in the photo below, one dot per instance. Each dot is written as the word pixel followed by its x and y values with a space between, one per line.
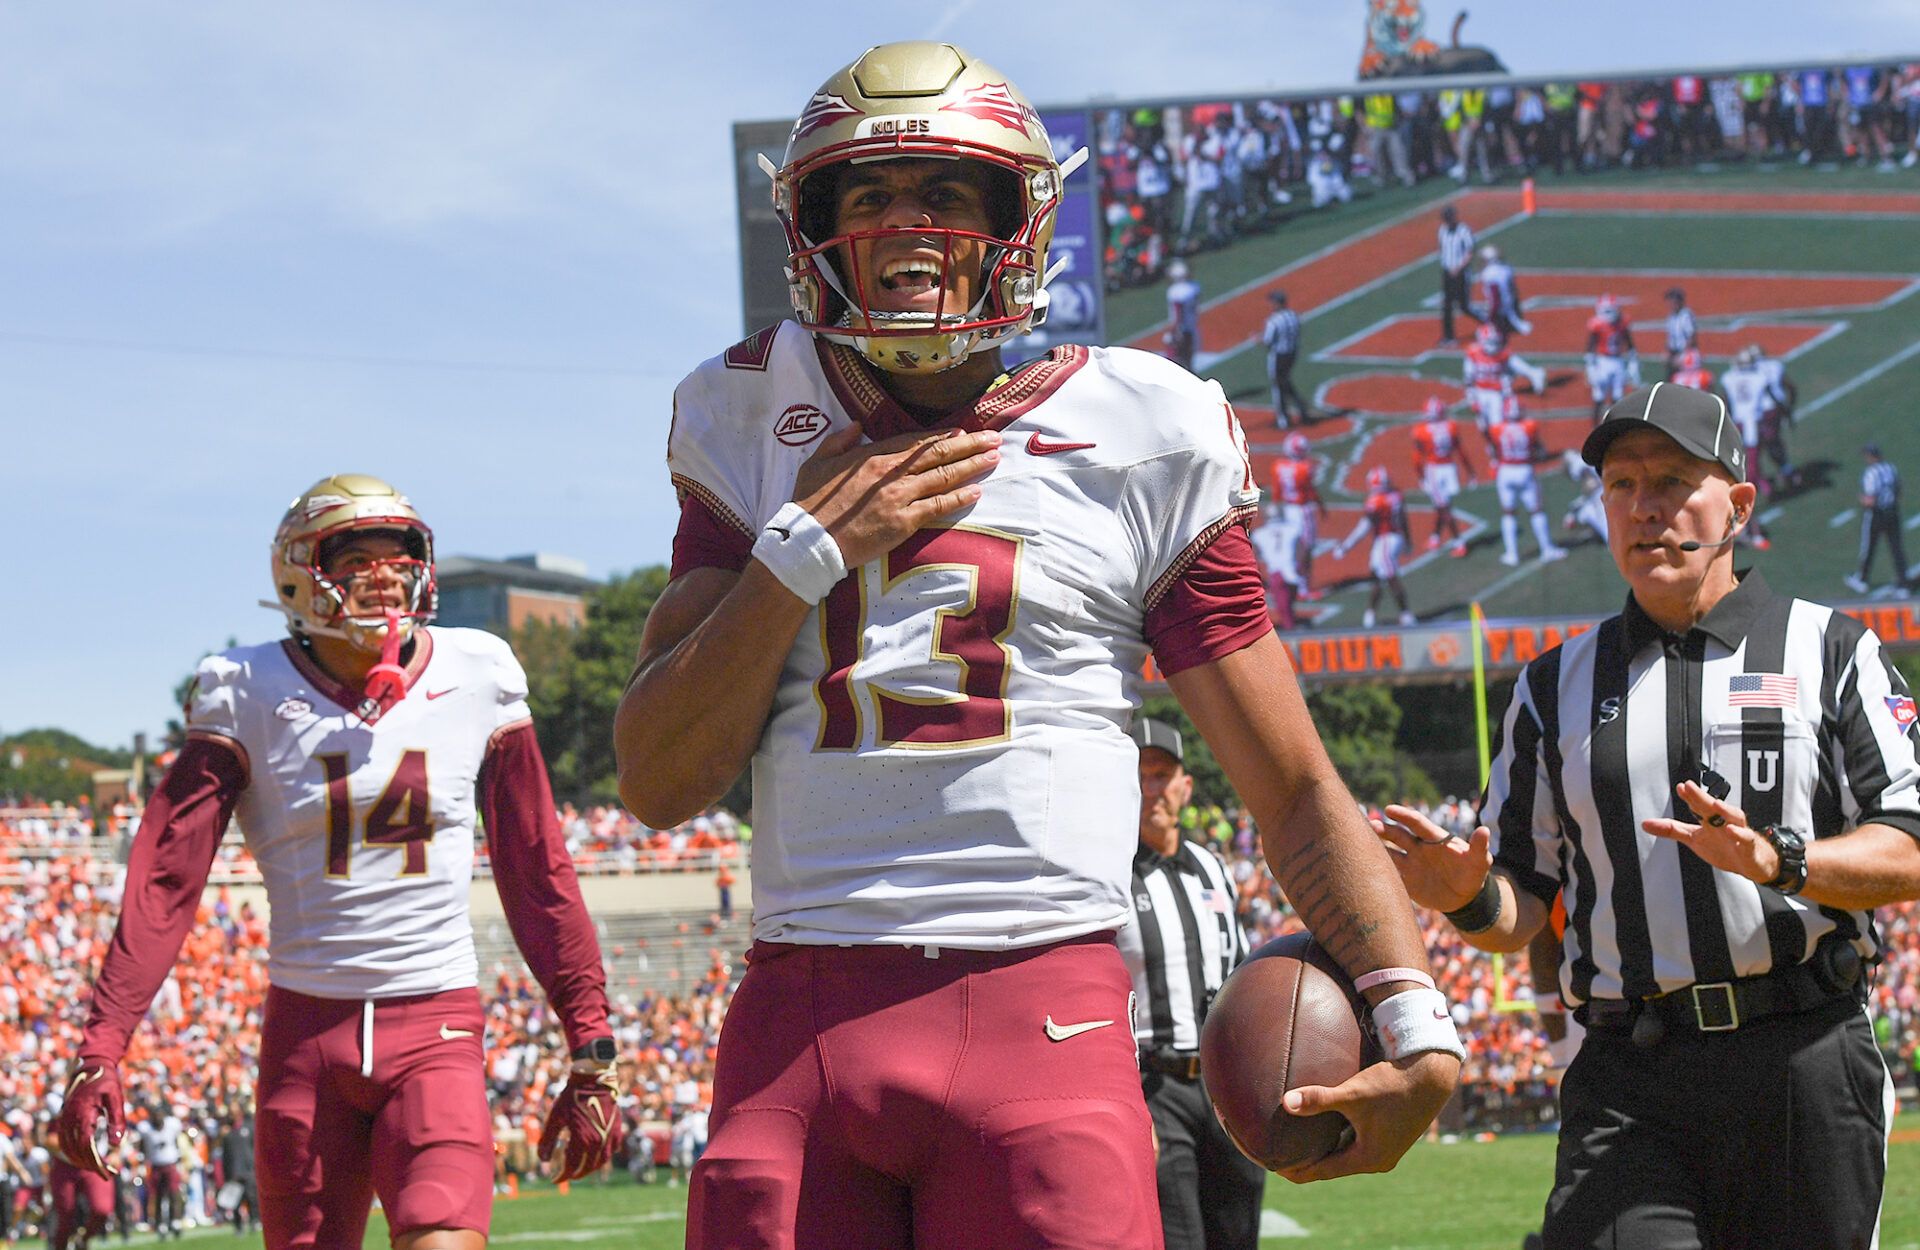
pixel 1464 1195
pixel 1820 269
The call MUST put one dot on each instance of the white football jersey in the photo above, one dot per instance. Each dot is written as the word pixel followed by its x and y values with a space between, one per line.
pixel 363 833
pixel 946 760
pixel 1749 394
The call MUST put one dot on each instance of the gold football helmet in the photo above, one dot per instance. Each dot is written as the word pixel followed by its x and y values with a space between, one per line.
pixel 920 99
pixel 315 601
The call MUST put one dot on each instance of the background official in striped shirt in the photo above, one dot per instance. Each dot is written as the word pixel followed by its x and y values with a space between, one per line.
pixel 1879 520
pixel 1281 337
pixel 1683 333
pixel 1722 784
pixel 1456 257
pixel 1184 940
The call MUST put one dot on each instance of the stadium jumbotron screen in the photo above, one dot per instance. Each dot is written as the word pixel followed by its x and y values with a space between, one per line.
pixel 1768 197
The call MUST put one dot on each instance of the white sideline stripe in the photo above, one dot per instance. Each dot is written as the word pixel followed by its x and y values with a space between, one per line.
pixel 1772 514
pixel 1838 519
pixel 1845 389
pixel 1273 1224
pixel 1913 522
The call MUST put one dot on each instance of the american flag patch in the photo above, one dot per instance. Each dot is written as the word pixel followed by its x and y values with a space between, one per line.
pixel 1216 900
pixel 1904 712
pixel 1762 690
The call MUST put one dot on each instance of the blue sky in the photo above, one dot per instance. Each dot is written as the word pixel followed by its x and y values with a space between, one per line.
pixel 471 248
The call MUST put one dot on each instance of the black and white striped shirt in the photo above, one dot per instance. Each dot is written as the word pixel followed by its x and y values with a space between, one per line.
pixel 1792 703
pixel 1456 246
pixel 1682 331
pixel 1282 333
pixel 1881 483
pixel 1184 940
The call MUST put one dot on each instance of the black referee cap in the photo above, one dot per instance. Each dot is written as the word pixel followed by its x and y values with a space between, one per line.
pixel 1694 419
pixel 1157 733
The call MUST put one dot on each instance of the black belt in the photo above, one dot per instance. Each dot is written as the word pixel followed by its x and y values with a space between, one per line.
pixel 1183 1064
pixel 1724 1006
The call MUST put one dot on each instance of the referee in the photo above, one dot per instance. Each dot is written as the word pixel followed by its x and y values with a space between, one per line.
pixel 1183 941
pixel 1724 782
pixel 1281 337
pixel 1456 257
pixel 1683 332
pixel 1879 519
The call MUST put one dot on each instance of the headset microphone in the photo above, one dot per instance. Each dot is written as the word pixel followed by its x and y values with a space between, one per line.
pixel 1740 520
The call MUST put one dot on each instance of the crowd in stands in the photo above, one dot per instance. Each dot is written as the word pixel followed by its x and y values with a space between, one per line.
pixel 601 839
pixel 1177 180
pixel 609 838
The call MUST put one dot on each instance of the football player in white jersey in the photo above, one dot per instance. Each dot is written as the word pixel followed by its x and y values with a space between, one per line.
pixel 353 753
pixel 915 591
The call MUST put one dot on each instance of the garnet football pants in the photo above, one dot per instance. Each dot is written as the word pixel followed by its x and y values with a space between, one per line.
pixel 914 1098
pixel 357 1099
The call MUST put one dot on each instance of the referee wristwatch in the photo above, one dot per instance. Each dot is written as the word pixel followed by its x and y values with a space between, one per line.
pixel 1792 850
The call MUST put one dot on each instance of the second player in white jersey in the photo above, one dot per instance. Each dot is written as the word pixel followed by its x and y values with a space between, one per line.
pixel 364 833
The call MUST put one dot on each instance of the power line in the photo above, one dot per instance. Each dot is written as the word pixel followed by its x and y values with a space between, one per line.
pixel 80 343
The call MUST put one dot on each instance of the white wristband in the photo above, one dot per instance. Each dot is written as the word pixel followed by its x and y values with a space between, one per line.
pixel 798 550
pixel 1413 1021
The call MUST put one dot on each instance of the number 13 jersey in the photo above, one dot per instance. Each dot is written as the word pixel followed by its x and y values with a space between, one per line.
pixel 946 761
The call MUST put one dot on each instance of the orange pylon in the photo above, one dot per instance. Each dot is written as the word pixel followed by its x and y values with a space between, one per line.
pixel 1529 202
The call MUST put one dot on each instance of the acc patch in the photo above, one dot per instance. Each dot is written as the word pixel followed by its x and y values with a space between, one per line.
pixel 293 708
pixel 1903 709
pixel 800 424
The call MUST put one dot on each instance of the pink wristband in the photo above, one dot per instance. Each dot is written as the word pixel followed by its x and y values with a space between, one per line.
pixel 1381 976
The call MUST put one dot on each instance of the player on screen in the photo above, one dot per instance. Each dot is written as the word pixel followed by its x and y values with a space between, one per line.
pixel 1761 397
pixel 1384 515
pixel 1516 447
pixel 1488 367
pixel 915 589
pixel 1500 295
pixel 1439 460
pixel 1301 509
pixel 1691 370
pixel 1613 364
pixel 357 754
pixel 1587 510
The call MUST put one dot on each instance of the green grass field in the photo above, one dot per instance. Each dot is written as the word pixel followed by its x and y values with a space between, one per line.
pixel 1464 1195
pixel 1814 529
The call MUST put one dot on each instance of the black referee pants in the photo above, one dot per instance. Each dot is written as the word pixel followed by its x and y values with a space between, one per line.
pixel 1209 1191
pixel 1453 295
pixel 1289 407
pixel 1876 526
pixel 1774 1134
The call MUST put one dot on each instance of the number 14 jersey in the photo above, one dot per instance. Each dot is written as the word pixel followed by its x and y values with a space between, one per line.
pixel 364 833
pixel 945 761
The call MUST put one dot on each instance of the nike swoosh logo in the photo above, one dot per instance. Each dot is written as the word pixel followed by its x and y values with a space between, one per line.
pixel 1061 1032
pixel 1037 446
pixel 434 694
pixel 449 1035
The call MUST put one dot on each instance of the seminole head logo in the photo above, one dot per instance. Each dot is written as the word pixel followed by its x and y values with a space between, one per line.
pixel 823 110
pixel 994 103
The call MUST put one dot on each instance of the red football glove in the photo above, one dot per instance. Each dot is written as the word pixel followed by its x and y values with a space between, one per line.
pixel 586 1114
pixel 93 1092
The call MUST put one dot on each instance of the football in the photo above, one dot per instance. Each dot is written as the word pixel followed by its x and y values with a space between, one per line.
pixel 1287 1017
